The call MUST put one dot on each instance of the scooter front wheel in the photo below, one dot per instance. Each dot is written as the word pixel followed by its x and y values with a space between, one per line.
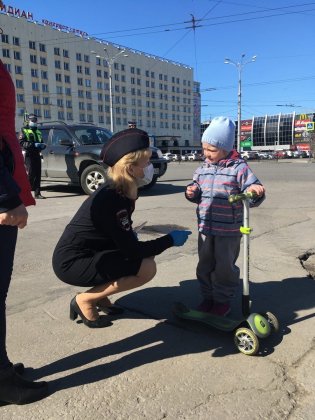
pixel 246 341
pixel 273 321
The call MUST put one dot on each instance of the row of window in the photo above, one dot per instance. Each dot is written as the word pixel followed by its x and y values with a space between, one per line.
pixel 33 58
pixel 61 115
pixel 88 94
pixel 272 129
pixel 117 89
pixel 86 58
pixel 100 85
pixel 16 41
pixel 267 134
pixel 82 106
pixel 98 73
pixel 101 97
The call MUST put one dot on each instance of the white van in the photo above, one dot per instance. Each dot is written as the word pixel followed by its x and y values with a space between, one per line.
pixel 170 156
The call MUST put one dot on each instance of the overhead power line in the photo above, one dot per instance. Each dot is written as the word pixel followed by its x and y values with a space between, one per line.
pixel 184 23
pixel 264 83
pixel 295 6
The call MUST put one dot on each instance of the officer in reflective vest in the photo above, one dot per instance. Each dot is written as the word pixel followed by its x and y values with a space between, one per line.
pixel 32 143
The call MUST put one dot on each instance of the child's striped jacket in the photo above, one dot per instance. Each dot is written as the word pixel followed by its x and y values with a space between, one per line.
pixel 215 182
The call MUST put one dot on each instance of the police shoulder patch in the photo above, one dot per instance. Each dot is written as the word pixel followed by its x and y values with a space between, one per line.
pixel 123 219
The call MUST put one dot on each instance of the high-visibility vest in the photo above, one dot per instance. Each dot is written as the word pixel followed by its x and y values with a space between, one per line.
pixel 29 134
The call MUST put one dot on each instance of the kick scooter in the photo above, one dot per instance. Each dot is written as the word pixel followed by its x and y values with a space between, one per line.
pixel 251 326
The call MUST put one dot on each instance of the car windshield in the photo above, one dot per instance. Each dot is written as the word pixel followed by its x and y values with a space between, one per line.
pixel 92 135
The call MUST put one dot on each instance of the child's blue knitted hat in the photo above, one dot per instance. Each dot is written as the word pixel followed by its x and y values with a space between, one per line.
pixel 220 133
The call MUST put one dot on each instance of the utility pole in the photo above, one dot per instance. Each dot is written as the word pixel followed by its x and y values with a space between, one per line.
pixel 239 65
pixel 110 61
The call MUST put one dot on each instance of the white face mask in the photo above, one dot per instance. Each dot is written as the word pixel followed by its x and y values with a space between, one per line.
pixel 148 176
pixel 32 124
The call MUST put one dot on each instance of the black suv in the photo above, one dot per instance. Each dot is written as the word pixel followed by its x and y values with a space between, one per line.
pixel 73 152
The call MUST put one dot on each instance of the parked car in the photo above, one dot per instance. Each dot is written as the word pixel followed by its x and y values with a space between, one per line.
pixel 73 152
pixel 250 155
pixel 280 154
pixel 176 157
pixel 170 157
pixel 193 156
pixel 302 154
pixel 264 155
pixel 294 154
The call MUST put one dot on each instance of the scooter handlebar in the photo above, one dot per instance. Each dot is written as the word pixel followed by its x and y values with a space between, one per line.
pixel 234 198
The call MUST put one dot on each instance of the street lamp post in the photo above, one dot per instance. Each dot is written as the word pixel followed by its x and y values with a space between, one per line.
pixel 110 62
pixel 239 65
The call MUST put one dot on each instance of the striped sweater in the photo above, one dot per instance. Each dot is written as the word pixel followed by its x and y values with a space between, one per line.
pixel 215 182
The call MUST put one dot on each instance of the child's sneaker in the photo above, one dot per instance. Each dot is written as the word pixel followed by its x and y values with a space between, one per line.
pixel 205 305
pixel 220 309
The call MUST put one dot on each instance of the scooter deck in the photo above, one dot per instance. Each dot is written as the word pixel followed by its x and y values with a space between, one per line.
pixel 219 322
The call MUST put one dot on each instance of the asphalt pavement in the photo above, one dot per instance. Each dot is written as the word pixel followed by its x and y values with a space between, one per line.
pixel 148 364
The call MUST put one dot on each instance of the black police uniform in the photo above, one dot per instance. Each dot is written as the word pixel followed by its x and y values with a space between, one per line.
pixel 99 244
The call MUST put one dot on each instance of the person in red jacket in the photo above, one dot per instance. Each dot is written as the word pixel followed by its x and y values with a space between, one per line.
pixel 15 195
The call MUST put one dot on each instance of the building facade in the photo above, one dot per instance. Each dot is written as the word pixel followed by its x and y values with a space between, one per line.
pixel 60 73
pixel 276 132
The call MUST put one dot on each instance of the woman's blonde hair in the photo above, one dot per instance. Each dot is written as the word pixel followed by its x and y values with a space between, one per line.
pixel 119 174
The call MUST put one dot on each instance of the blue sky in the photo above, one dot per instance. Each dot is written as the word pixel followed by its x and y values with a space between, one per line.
pixel 280 33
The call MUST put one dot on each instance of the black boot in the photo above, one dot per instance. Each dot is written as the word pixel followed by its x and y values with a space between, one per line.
pixel 39 196
pixel 16 390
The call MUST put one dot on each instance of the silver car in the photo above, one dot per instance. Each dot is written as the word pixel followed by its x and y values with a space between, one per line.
pixel 73 152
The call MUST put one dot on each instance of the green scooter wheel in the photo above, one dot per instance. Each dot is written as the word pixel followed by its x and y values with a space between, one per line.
pixel 246 341
pixel 273 321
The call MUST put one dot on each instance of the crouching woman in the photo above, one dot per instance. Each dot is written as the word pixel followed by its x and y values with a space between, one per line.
pixel 99 249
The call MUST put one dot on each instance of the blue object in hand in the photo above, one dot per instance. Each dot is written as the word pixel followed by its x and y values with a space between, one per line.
pixel 180 236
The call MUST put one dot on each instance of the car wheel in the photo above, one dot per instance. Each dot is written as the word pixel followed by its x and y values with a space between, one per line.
pixel 92 177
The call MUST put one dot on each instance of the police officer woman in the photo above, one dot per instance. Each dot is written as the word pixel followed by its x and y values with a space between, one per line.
pixel 99 248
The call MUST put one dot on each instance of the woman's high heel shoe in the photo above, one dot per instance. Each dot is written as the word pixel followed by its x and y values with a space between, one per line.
pixel 110 310
pixel 75 311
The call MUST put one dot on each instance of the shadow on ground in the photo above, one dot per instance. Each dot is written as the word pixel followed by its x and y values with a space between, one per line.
pixel 70 190
pixel 170 338
pixel 162 189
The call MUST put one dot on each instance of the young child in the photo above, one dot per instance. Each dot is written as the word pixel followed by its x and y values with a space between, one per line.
pixel 99 249
pixel 223 173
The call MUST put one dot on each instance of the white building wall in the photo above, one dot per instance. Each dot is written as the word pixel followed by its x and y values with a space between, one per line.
pixel 170 117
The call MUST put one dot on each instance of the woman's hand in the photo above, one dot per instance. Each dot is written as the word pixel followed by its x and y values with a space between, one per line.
pixel 179 236
pixel 16 217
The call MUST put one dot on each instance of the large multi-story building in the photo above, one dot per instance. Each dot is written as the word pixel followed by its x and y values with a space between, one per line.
pixel 273 132
pixel 280 131
pixel 61 73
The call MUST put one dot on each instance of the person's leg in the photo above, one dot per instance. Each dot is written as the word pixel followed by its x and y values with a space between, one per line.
pixel 28 165
pixel 226 275
pixel 13 388
pixel 36 170
pixel 8 235
pixel 205 264
pixel 88 300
